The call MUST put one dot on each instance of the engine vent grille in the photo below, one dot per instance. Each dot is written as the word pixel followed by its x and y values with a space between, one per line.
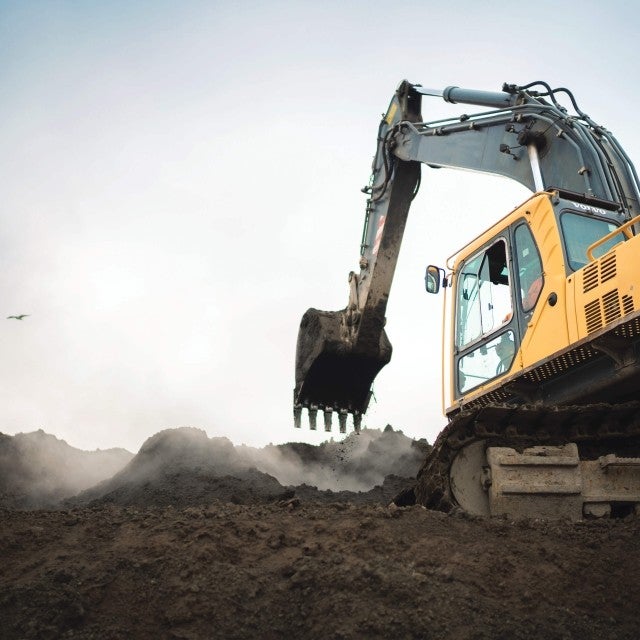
pixel 602 311
pixel 593 316
pixel 608 267
pixel 611 306
pixel 598 272
pixel 591 279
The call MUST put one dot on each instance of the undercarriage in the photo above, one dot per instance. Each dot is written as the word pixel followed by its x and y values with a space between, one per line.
pixel 531 461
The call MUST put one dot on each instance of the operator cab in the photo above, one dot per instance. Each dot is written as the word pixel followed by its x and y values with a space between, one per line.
pixel 500 279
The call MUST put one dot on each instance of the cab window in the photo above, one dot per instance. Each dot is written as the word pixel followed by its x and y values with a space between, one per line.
pixel 582 231
pixel 486 362
pixel 529 267
pixel 483 295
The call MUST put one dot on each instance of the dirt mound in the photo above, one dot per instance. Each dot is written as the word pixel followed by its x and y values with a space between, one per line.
pixel 37 469
pixel 183 467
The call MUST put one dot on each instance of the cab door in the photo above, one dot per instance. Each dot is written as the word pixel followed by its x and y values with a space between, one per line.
pixel 485 326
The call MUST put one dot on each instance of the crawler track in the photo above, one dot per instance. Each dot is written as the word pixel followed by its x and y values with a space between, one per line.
pixel 597 429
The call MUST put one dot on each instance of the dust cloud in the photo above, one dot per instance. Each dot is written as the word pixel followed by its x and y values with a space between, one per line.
pixel 37 469
pixel 184 466
pixel 357 463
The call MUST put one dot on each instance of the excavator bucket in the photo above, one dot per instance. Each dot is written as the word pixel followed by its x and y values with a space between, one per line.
pixel 333 374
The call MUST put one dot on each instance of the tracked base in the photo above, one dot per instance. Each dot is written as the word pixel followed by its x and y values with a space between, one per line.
pixel 572 462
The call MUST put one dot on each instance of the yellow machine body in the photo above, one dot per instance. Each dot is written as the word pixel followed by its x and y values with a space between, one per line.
pixel 566 327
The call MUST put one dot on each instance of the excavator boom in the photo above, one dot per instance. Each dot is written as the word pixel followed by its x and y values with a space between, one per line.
pixel 526 136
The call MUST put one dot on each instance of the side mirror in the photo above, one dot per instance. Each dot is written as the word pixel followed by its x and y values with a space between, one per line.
pixel 432 279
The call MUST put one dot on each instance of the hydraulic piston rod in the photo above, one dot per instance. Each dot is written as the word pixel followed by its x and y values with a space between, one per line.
pixel 454 95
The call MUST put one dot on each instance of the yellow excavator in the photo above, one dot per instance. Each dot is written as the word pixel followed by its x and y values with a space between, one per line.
pixel 542 335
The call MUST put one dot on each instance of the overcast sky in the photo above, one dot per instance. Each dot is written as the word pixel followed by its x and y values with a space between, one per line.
pixel 181 181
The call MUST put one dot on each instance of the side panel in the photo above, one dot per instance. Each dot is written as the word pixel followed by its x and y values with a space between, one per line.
pixel 550 325
pixel 608 288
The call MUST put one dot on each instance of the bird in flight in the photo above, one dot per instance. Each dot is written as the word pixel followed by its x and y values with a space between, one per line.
pixel 20 317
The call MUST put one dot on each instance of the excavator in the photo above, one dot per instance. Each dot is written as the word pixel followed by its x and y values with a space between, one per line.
pixel 541 311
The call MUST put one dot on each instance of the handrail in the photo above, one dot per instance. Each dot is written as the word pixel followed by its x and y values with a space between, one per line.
pixel 621 229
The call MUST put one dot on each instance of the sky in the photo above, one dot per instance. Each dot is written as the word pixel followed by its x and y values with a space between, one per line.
pixel 181 181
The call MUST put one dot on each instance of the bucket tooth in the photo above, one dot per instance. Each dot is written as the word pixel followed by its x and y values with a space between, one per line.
pixel 357 421
pixel 342 419
pixel 313 417
pixel 297 416
pixel 328 413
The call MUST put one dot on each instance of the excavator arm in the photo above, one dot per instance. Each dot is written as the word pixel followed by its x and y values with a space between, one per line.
pixel 526 136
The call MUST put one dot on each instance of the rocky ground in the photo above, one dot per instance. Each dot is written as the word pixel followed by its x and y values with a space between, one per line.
pixel 195 538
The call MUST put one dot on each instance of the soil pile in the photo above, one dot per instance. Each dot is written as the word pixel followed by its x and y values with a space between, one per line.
pixel 183 467
pixel 37 469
